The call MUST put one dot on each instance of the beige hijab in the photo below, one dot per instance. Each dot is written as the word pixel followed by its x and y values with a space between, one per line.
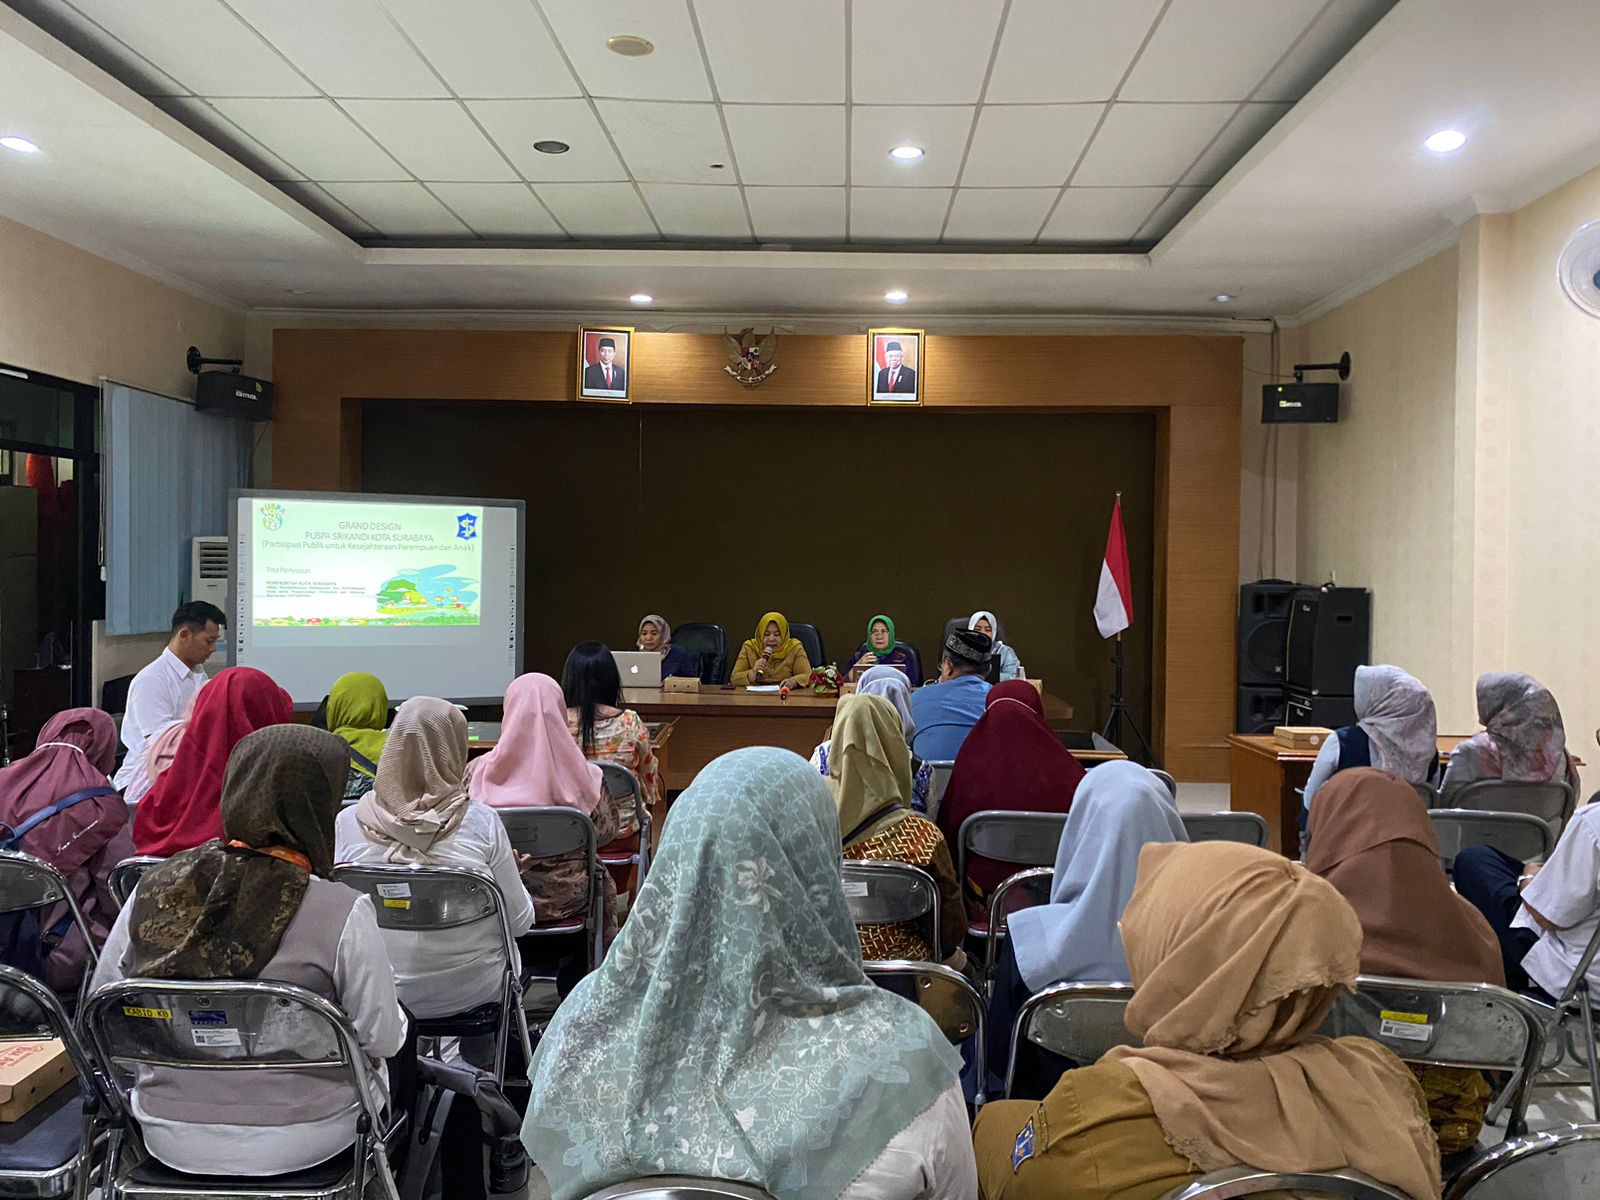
pixel 1237 956
pixel 420 793
pixel 869 767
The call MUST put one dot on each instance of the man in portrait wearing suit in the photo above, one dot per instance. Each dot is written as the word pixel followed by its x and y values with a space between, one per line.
pixel 606 375
pixel 893 377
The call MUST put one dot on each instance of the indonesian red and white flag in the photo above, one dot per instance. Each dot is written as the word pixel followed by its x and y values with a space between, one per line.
pixel 1113 606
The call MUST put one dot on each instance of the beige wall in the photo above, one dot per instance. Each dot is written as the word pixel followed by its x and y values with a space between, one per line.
pixel 1269 470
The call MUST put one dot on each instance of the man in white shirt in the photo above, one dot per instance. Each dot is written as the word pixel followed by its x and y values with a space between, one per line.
pixel 160 694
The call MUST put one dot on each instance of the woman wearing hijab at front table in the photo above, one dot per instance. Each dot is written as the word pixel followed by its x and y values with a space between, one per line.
pixel 890 683
pixel 74 757
pixel 772 657
pixel 1396 730
pixel 734 1012
pixel 358 711
pixel 655 634
pixel 881 648
pixel 1237 956
pixel 1372 839
pixel 1118 810
pixel 985 622
pixel 1523 737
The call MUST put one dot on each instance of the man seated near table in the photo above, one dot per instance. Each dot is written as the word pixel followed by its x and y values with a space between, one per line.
pixel 946 711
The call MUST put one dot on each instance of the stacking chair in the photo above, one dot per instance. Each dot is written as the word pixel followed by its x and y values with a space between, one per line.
pixel 1428 794
pixel 941 780
pixel 892 893
pixel 31 885
pixel 944 994
pixel 1520 835
pixel 549 833
pixel 1024 839
pixel 623 785
pixel 1233 1182
pixel 1551 802
pixel 1023 890
pixel 49 1153
pixel 125 875
pixel 1576 1002
pixel 710 642
pixel 1078 1021
pixel 811 638
pixel 679 1187
pixel 1247 827
pixel 436 900
pixel 1559 1162
pixel 1166 778
pixel 146 1023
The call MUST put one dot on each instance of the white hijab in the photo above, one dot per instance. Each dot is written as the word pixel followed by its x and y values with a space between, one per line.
pixel 1396 713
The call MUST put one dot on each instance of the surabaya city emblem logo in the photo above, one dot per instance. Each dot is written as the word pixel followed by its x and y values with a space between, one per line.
pixel 272 517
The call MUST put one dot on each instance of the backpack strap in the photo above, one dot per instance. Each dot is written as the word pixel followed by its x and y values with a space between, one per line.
pixel 358 759
pixel 14 842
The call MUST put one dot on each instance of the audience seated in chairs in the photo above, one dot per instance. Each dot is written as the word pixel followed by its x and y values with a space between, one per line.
pixel 70 765
pixel 1523 739
pixel 947 709
pixel 732 1032
pixel 870 777
pixel 1236 955
pixel 890 683
pixel 882 648
pixel 1120 808
pixel 772 656
pixel 183 808
pixel 418 812
pixel 358 711
pixel 592 688
pixel 1007 665
pixel 1372 839
pixel 1396 730
pixel 655 634
pixel 255 903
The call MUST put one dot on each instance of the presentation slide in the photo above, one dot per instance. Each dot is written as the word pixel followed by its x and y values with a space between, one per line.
pixel 420 591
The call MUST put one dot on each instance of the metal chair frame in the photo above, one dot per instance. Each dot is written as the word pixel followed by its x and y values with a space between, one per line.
pixel 372 880
pixel 998 912
pixel 104 1014
pixel 1221 826
pixel 622 783
pixel 942 767
pixel 522 827
pixel 1515 833
pixel 28 882
pixel 980 826
pixel 1513 1153
pixel 1502 795
pixel 1062 998
pixel 1166 778
pixel 679 1187
pixel 1576 1000
pixel 1250 1181
pixel 126 874
pixel 891 893
pixel 925 975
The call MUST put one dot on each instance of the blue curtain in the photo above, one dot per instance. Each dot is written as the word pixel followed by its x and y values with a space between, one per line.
pixel 168 472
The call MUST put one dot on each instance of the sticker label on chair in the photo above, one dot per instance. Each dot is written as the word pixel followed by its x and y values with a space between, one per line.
pixel 393 890
pixel 154 1014
pixel 397 904
pixel 215 1037
pixel 855 887
pixel 207 1016
pixel 1408 1027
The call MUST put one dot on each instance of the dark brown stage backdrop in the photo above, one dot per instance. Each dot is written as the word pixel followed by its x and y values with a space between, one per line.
pixel 829 515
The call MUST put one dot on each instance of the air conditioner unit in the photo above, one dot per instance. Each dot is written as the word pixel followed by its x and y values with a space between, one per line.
pixel 208 570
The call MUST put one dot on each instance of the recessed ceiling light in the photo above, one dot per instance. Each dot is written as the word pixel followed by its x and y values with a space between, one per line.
pixel 1445 141
pixel 20 144
pixel 906 153
pixel 895 296
pixel 551 146
pixel 1222 298
pixel 640 298
pixel 630 45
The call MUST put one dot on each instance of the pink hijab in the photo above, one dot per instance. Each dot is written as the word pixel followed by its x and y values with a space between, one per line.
pixel 537 762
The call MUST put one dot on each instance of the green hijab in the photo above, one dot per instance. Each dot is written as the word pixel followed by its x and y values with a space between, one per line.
pixel 889 649
pixel 358 710
pixel 730 1031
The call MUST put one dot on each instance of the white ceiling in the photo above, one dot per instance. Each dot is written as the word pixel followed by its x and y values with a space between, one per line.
pixel 1064 123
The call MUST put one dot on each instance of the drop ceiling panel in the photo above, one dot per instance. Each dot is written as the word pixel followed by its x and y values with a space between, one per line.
pixel 346 47
pixel 597 211
pixel 674 71
pixel 921 51
pixel 783 214
pixel 433 139
pixel 790 53
pixel 1068 50
pixel 515 125
pixel 398 210
pixel 499 210
pixel 1200 50
pixel 1172 210
pixel 669 143
pixel 1147 144
pixel 210 124
pixel 1243 131
pixel 1341 25
pixel 313 136
pixel 998 214
pixel 1031 145
pixel 487 48
pixel 788 144
pixel 1106 215
pixel 693 211
pixel 897 214
pixel 941 132
pixel 70 27
pixel 325 206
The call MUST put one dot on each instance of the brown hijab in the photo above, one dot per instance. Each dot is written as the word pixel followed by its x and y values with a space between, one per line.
pixel 1237 955
pixel 1372 839
pixel 219 911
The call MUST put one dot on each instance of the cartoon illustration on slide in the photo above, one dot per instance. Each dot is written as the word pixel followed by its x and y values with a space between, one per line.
pixel 433 595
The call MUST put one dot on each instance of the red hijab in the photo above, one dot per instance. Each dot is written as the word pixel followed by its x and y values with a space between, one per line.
pixel 1011 760
pixel 76 750
pixel 184 808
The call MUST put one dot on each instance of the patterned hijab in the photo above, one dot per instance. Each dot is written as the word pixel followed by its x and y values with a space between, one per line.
pixel 892 684
pixel 869 767
pixel 731 1032
pixel 219 911
pixel 420 793
pixel 660 623
pixel 1396 713
pixel 358 710
pixel 1523 737
pixel 786 646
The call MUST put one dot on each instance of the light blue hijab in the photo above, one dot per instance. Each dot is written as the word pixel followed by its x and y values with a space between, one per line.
pixel 891 683
pixel 731 1031
pixel 1118 808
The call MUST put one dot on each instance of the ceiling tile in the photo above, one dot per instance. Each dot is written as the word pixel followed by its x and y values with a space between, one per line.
pixel 1034 145
pixel 433 139
pixel 697 211
pixel 515 125
pixel 1244 131
pixel 226 136
pixel 1147 144
pixel 1066 50
pixel 675 70
pixel 1216 49
pixel 921 51
pixel 487 48
pixel 782 214
pixel 200 44
pixel 1340 26
pixel 669 143
pixel 789 143
pixel 596 211
pixel 325 206
pixel 897 214
pixel 1109 215
pixel 346 47
pixel 1172 210
pixel 998 214
pixel 313 136
pixel 789 54
pixel 398 209
pixel 499 210
pixel 941 132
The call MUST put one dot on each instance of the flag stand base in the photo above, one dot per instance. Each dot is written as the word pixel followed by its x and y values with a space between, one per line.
pixel 1120 712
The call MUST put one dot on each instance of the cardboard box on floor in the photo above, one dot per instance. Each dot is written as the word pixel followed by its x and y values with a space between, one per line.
pixel 31 1071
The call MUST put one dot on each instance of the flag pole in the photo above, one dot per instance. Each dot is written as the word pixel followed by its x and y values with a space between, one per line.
pixel 1119 707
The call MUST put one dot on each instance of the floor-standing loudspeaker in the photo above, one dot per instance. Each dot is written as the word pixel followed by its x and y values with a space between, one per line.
pixel 1263 630
pixel 1260 710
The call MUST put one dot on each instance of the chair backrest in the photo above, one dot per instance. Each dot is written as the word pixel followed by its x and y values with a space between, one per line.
pixel 125 875
pixel 913 668
pixel 417 898
pixel 623 785
pixel 946 995
pixel 679 1187
pixel 1078 1021
pixel 548 832
pixel 1249 1181
pixel 1247 827
pixel 1025 889
pixel 1557 1162
pixel 710 642
pixel 1166 778
pixel 1551 802
pixel 29 882
pixel 1428 794
pixel 941 768
pixel 1520 835
pixel 1025 838
pixel 29 1010
pixel 891 893
pixel 810 637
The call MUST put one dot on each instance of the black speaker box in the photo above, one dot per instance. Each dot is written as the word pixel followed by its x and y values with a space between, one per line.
pixel 1330 635
pixel 230 394
pixel 1299 403
pixel 1330 712
pixel 1260 710
pixel 1263 629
